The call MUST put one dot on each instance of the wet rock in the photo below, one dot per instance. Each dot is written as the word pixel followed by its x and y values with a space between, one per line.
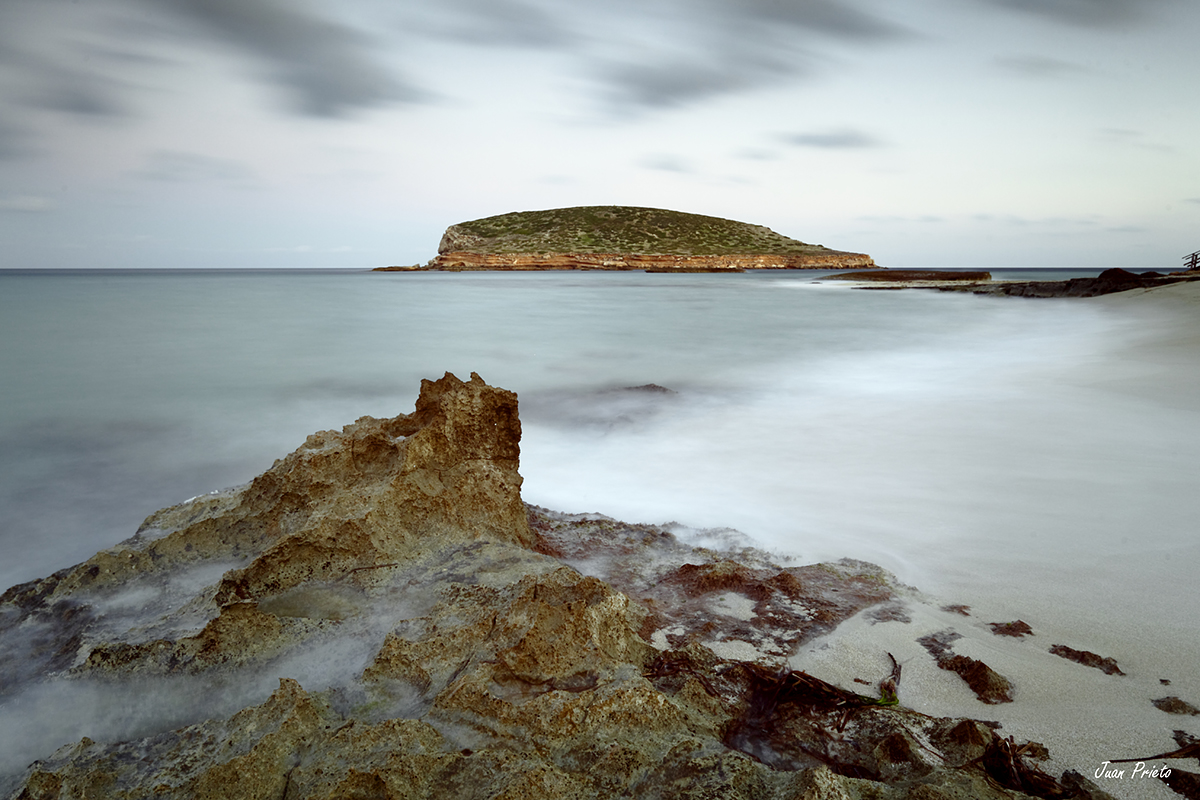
pixel 889 275
pixel 989 686
pixel 1088 659
pixel 1107 282
pixel 1015 629
pixel 1173 705
pixel 889 612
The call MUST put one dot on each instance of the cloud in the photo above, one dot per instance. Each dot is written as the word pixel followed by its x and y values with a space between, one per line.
pixel 506 23
pixel 26 203
pixel 1124 137
pixel 667 163
pixel 179 167
pixel 1039 66
pixel 14 142
pixel 674 53
pixel 838 19
pixel 841 139
pixel 1046 222
pixel 48 83
pixel 1088 13
pixel 667 84
pixel 326 66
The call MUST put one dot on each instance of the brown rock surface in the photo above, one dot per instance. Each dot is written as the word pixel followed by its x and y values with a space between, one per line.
pixel 379 615
pixel 463 260
pixel 989 686
pixel 1087 658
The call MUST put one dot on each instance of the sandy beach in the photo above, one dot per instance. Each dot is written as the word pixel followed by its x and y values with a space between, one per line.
pixel 1084 716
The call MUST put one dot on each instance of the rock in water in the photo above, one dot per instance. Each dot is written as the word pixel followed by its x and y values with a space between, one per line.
pixel 375 616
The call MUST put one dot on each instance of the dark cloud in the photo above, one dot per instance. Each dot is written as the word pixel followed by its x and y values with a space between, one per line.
pixel 714 48
pixel 328 67
pixel 179 167
pixel 667 84
pixel 829 17
pixel 842 139
pixel 503 23
pixel 57 84
pixel 1039 66
pixel 1090 13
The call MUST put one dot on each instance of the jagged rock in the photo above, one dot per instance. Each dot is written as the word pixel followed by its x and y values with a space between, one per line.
pixel 461 645
pixel 1088 659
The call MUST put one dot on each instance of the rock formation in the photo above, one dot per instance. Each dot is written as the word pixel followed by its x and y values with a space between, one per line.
pixel 380 616
pixel 627 238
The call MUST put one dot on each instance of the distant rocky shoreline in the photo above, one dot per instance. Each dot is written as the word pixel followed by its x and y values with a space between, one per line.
pixel 1109 281
pixel 467 645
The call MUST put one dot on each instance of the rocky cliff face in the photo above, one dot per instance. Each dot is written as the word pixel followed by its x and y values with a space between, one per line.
pixel 830 259
pixel 380 616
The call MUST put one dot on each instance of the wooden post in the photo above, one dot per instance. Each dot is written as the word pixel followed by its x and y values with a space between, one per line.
pixel 1193 260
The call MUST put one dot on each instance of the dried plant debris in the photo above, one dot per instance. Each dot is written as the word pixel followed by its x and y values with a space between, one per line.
pixel 958 608
pixel 1016 629
pixel 1190 750
pixel 1010 765
pixel 1105 665
pixel 989 686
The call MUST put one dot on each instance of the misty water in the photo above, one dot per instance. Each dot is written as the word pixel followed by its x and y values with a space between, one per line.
pixel 1014 454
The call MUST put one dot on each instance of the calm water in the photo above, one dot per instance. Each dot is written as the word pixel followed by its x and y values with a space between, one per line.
pixel 991 451
pixel 915 429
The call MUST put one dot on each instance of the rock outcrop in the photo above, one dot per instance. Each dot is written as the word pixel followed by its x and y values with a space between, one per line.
pixel 1109 281
pixel 626 238
pixel 380 616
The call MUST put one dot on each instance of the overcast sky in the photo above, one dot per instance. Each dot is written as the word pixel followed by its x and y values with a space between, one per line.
pixel 237 133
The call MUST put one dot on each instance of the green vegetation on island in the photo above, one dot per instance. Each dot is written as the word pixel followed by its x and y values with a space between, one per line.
pixel 617 229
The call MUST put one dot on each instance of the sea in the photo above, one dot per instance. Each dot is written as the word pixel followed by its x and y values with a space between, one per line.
pixel 1028 458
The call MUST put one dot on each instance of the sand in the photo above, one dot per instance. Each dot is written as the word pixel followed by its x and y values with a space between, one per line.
pixel 1083 715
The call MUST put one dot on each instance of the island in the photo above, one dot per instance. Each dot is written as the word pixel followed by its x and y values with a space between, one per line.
pixel 625 238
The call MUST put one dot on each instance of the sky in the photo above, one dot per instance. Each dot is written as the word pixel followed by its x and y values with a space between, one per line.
pixel 286 133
